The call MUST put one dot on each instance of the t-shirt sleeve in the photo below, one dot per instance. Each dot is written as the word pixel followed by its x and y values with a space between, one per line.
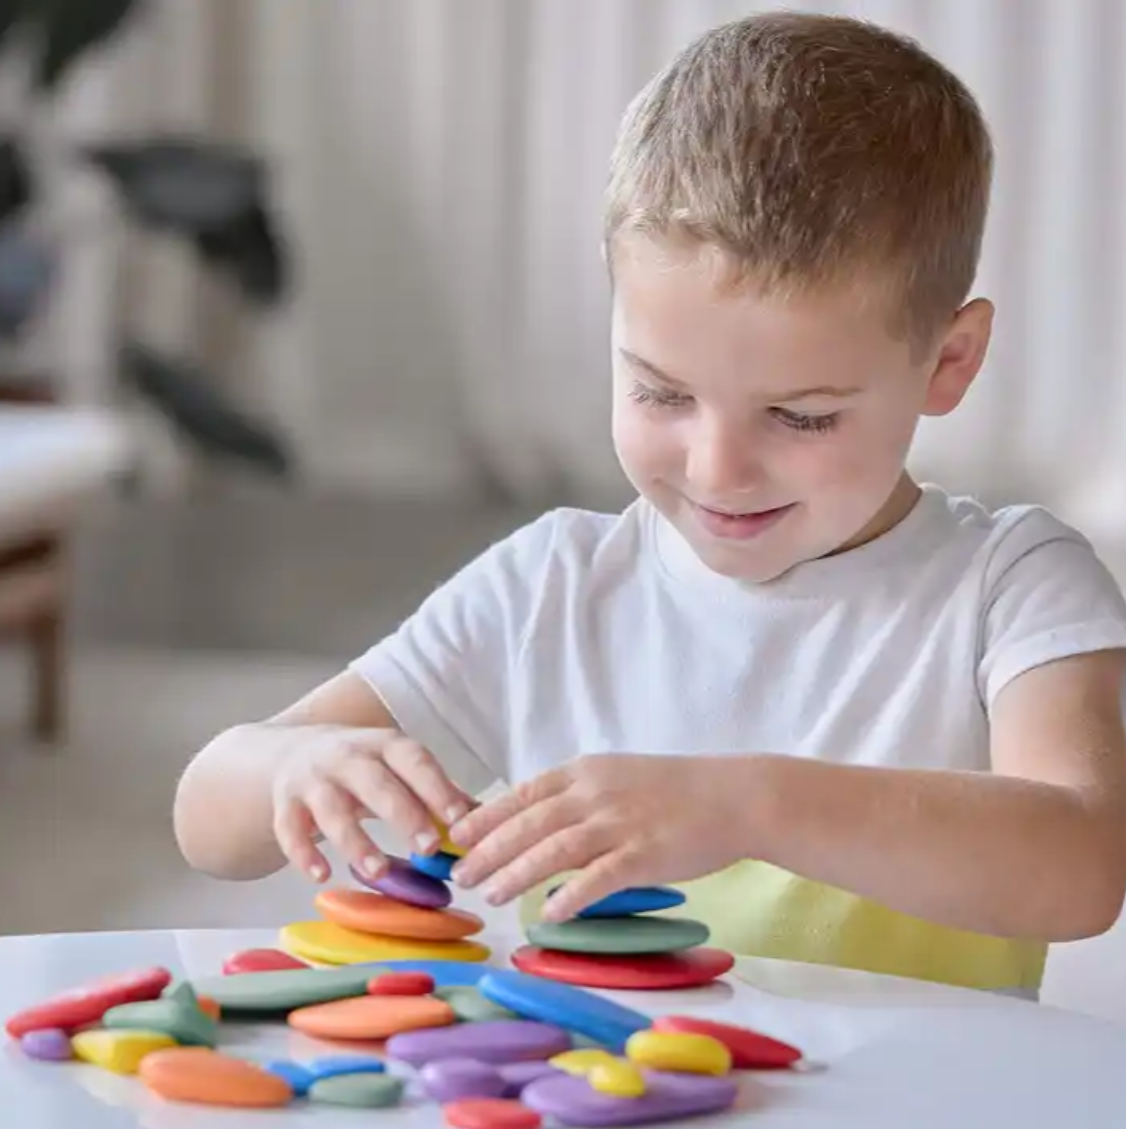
pixel 1048 597
pixel 444 674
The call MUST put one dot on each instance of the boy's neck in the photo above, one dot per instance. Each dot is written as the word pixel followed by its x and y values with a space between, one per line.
pixel 899 504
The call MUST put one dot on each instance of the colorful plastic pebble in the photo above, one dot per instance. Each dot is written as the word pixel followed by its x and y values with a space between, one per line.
pixel 490 1113
pixel 361 1091
pixel 581 1062
pixel 401 984
pixel 749 1049
pixel 119 1051
pixel 677 1052
pixel 452 1079
pixel 438 866
pixel 260 960
pixel 371 1017
pixel 617 1077
pixel 497 1041
pixel 195 1074
pixel 49 1045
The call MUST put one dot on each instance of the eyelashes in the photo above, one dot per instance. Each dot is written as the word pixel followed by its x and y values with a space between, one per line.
pixel 803 422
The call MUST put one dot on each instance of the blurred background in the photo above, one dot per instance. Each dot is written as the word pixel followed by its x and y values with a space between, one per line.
pixel 301 305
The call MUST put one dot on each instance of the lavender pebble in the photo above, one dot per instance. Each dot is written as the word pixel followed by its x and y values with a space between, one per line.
pixel 496 1041
pixel 50 1045
pixel 452 1079
pixel 517 1075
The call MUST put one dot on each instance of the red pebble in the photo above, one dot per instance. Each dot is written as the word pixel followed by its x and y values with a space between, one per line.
pixel 261 960
pixel 401 984
pixel 87 1003
pixel 749 1050
pixel 490 1113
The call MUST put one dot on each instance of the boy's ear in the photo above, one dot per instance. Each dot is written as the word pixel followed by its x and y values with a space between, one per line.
pixel 960 357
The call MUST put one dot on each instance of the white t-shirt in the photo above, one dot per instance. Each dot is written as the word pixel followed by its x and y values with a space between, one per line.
pixel 584 633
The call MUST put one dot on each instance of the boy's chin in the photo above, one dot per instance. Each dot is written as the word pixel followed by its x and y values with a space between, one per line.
pixel 742 565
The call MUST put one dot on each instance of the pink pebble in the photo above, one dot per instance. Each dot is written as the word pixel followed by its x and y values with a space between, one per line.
pixel 49 1045
pixel 452 1079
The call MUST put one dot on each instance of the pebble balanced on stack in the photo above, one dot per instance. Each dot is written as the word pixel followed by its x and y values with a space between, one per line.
pixel 403 914
pixel 613 944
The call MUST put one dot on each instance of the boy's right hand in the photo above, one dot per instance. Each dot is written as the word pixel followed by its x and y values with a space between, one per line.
pixel 337 776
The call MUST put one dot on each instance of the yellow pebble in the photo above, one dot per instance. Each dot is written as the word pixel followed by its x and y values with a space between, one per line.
pixel 118 1050
pixel 582 1062
pixel 617 1077
pixel 447 845
pixel 693 1054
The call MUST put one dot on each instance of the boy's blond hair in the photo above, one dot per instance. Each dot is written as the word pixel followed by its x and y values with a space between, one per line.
pixel 816 151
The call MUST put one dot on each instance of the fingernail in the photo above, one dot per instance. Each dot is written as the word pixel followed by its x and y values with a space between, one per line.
pixel 493 895
pixel 373 865
pixel 455 812
pixel 458 875
pixel 318 873
pixel 426 841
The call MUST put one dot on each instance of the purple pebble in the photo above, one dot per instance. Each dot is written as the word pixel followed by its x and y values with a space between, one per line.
pixel 405 884
pixel 573 1101
pixel 49 1045
pixel 452 1079
pixel 495 1040
pixel 517 1075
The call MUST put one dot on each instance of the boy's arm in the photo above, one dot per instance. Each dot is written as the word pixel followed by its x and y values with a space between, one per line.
pixel 1037 849
pixel 224 810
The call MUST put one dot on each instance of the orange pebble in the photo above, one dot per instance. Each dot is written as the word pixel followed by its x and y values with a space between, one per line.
pixel 210 1007
pixel 371 1017
pixel 367 912
pixel 490 1113
pixel 197 1074
pixel 401 984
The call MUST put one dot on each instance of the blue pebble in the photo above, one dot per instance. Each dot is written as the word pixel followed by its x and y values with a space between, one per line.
pixel 446 973
pixel 563 1005
pixel 331 1066
pixel 294 1073
pixel 436 866
pixel 635 899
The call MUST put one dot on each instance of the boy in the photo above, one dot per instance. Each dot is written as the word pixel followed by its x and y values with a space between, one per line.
pixel 864 722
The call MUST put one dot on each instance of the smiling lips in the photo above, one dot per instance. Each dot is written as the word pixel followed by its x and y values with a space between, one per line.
pixel 739 527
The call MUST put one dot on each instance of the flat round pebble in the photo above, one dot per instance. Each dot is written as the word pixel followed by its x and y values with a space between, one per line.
pixel 437 866
pixel 401 984
pixel 333 944
pixel 617 1077
pixel 472 1007
pixel 195 1074
pixel 369 912
pixel 298 1078
pixel 635 899
pixel 649 972
pixel 517 1075
pixel 405 884
pixel 260 960
pixel 619 935
pixel 749 1049
pixel 329 1066
pixel 282 991
pixel 501 1040
pixel 371 1017
pixel 49 1045
pixel 679 1052
pixel 490 1113
pixel 362 1091
pixel 452 1079
pixel 572 1101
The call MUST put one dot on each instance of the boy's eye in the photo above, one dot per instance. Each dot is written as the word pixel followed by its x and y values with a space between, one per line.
pixel 643 394
pixel 801 421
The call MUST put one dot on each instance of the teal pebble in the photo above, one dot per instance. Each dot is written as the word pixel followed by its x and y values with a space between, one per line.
pixel 623 936
pixel 470 1006
pixel 363 1091
pixel 183 1021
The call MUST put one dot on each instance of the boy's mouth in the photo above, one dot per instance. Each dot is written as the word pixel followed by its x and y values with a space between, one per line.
pixel 739 526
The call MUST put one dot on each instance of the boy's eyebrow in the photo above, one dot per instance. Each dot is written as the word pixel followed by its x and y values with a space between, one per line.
pixel 823 390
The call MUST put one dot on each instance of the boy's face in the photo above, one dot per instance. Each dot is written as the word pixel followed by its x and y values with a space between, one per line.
pixel 769 432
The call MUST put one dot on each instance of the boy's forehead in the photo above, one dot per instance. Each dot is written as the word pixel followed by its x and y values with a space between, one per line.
pixel 670 299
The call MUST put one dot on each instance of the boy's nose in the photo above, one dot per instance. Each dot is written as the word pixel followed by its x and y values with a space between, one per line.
pixel 722 463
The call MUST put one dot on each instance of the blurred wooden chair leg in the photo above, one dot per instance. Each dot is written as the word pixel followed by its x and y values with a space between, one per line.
pixel 48 652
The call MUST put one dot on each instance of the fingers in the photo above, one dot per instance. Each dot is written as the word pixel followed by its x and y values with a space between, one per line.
pixel 295 831
pixel 516 836
pixel 606 875
pixel 569 849
pixel 334 813
pixel 484 820
pixel 419 769
pixel 388 798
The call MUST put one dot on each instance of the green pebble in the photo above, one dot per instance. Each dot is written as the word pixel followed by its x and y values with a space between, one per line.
pixel 369 1091
pixel 470 1006
pixel 267 993
pixel 181 1020
pixel 619 936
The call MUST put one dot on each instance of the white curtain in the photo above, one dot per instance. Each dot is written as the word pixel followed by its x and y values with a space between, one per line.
pixel 440 165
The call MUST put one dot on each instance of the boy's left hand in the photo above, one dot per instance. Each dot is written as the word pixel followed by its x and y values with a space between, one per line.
pixel 618 819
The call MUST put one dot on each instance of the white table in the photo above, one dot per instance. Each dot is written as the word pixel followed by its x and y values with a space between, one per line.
pixel 896 1055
